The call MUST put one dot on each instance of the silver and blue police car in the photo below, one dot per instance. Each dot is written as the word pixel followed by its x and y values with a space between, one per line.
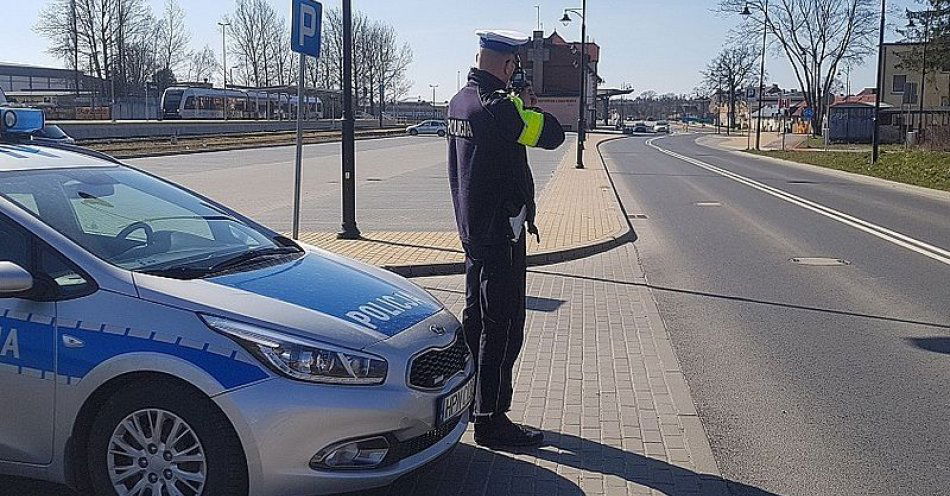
pixel 154 342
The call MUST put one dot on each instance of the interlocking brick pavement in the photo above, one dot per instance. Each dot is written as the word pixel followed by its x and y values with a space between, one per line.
pixel 598 374
pixel 578 214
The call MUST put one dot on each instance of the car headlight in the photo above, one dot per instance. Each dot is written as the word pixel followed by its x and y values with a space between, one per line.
pixel 302 359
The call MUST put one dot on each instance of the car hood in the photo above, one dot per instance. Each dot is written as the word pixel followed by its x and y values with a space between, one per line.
pixel 319 295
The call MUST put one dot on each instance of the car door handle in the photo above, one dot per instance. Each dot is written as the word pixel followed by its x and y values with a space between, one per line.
pixel 72 342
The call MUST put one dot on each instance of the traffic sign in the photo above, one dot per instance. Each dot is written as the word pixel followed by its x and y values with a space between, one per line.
pixel 306 21
pixel 808 113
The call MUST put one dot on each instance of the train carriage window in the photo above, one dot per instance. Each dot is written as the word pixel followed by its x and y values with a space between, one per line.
pixel 190 103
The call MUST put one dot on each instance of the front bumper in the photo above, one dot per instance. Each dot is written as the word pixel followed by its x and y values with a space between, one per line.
pixel 283 423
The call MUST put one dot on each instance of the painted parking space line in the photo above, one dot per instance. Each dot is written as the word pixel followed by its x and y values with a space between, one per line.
pixel 889 235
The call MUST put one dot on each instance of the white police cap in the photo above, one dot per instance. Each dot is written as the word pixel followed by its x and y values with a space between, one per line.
pixel 499 40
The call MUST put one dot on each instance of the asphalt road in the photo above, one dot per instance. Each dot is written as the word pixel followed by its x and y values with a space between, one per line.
pixel 810 380
pixel 402 183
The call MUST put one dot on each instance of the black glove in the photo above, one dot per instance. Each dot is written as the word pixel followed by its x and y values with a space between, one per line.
pixel 533 229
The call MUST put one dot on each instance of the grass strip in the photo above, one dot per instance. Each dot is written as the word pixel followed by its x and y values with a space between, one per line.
pixel 929 169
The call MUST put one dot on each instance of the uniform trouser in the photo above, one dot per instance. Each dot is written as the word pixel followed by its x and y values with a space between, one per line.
pixel 493 320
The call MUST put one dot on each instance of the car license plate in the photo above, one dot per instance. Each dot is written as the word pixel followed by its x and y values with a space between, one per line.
pixel 453 404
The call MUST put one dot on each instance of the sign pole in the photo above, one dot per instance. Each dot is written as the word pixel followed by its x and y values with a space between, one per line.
pixel 298 168
pixel 305 31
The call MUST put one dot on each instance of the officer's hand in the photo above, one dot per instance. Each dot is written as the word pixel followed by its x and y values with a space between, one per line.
pixel 533 229
pixel 529 97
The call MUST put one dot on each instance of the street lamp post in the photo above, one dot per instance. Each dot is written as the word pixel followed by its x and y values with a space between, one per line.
pixel 765 32
pixel 582 104
pixel 876 138
pixel 349 229
pixel 224 59
pixel 433 86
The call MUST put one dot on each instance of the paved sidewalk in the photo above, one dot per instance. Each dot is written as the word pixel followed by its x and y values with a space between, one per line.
pixel 578 215
pixel 598 374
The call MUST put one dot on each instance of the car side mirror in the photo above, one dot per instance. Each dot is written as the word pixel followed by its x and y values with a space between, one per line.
pixel 14 279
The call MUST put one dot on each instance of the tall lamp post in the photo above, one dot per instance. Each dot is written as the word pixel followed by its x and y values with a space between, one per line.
pixel 224 58
pixel 765 31
pixel 876 138
pixel 433 86
pixel 582 104
pixel 348 229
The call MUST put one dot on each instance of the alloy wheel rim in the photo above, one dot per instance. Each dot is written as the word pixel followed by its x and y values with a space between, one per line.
pixel 153 452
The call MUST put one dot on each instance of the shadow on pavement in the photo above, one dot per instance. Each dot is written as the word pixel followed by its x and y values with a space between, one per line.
pixel 27 487
pixel 539 304
pixel 591 456
pixel 743 299
pixel 409 245
pixel 934 344
pixel 472 470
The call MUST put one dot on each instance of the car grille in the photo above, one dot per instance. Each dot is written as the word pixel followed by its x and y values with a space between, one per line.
pixel 433 368
pixel 418 444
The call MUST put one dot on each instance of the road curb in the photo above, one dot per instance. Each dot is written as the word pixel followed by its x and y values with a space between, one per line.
pixel 608 243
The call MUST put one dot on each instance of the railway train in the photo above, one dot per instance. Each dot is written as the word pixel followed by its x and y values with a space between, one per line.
pixel 212 103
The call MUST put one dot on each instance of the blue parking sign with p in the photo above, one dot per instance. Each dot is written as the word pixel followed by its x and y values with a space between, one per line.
pixel 306 20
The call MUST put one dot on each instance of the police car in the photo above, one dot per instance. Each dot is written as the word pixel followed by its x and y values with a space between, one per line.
pixel 155 342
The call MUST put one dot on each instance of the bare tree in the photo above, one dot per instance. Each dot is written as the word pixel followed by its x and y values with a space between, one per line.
pixel 173 36
pixel 112 35
pixel 249 39
pixel 731 71
pixel 202 64
pixel 379 58
pixel 932 30
pixel 816 36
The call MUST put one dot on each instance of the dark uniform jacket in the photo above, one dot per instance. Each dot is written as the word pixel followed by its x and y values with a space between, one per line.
pixel 488 168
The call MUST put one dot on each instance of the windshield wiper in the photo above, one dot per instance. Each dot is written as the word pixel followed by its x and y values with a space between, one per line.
pixel 195 272
pixel 250 256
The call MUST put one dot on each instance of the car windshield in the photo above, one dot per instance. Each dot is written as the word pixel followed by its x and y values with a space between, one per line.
pixel 137 222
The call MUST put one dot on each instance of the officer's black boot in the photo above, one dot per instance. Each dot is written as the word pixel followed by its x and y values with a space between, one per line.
pixel 500 432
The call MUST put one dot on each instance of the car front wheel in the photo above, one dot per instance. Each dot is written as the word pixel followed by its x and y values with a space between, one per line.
pixel 413 132
pixel 157 441
pixel 441 133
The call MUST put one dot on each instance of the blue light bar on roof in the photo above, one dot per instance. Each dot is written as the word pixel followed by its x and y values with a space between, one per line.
pixel 21 120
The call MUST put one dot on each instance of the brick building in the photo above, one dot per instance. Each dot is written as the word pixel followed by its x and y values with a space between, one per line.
pixel 552 66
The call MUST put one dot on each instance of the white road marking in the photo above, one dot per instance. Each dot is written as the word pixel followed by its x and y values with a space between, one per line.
pixel 899 239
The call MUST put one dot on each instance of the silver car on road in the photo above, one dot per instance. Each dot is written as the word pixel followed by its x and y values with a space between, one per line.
pixel 153 341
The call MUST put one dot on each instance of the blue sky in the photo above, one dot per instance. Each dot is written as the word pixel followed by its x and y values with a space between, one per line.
pixel 658 45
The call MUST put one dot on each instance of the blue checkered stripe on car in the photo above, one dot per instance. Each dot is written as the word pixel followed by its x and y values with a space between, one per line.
pixel 36 340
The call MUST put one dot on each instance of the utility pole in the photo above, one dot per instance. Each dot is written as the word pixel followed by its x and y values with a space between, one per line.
pixel 582 101
pixel 876 139
pixel 582 123
pixel 75 28
pixel 224 59
pixel 382 102
pixel 349 229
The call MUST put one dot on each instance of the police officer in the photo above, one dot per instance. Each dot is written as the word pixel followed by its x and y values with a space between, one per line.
pixel 489 128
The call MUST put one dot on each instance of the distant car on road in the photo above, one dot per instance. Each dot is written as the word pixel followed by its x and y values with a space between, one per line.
pixel 428 127
pixel 661 127
pixel 52 132
pixel 637 127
